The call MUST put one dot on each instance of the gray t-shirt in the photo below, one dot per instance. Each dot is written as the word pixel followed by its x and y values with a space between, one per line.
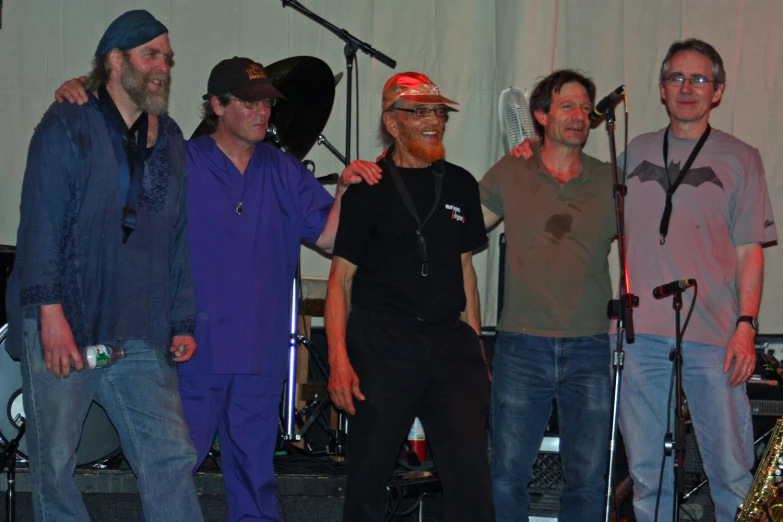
pixel 722 203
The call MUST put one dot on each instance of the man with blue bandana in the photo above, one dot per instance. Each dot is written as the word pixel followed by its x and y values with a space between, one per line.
pixel 251 206
pixel 102 257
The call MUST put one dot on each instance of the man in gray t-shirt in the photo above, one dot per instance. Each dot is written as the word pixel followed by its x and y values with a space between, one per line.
pixel 720 218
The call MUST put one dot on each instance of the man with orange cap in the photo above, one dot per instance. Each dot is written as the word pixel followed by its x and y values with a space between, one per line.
pixel 402 312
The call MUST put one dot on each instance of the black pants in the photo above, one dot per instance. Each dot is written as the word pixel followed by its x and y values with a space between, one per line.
pixel 409 368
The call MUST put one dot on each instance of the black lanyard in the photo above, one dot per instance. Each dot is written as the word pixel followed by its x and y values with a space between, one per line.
pixel 130 148
pixel 667 209
pixel 406 199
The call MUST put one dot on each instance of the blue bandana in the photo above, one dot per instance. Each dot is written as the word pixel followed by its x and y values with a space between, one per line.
pixel 130 30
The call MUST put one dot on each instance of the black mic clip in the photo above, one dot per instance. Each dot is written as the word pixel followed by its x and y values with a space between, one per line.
pixel 626 302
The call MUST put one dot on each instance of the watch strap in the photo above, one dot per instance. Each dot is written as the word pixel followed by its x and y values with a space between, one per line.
pixel 753 321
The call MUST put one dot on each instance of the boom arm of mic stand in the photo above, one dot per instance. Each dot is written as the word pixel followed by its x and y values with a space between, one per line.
pixel 323 141
pixel 342 33
pixel 352 44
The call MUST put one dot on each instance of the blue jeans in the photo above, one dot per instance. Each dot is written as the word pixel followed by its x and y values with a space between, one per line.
pixel 529 372
pixel 720 415
pixel 140 396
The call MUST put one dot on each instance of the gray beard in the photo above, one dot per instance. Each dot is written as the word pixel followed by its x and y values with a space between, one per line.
pixel 135 85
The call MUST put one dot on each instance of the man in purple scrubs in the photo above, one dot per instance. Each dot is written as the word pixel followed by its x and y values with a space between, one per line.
pixel 251 206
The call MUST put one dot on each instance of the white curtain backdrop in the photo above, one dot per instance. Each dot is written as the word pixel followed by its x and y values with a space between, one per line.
pixel 472 48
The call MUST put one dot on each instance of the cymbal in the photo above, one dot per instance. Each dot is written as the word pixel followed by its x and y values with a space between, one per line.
pixel 308 86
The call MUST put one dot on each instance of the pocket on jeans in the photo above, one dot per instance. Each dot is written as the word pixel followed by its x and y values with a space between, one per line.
pixel 603 338
pixel 31 336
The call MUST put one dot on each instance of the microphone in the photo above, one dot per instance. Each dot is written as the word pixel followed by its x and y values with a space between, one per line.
pixel 671 288
pixel 606 103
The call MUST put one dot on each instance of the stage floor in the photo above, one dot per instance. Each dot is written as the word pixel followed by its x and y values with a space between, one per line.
pixel 310 489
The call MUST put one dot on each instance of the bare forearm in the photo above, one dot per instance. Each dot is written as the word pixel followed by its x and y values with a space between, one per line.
pixel 750 278
pixel 490 218
pixel 336 309
pixel 740 356
pixel 326 239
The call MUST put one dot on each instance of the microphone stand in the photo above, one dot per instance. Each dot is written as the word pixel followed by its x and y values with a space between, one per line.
pixel 675 442
pixel 352 44
pixel 621 308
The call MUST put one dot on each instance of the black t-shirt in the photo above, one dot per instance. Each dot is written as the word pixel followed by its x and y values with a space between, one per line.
pixel 377 233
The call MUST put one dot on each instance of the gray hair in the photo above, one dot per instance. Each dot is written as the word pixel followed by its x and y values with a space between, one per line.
pixel 695 46
pixel 384 136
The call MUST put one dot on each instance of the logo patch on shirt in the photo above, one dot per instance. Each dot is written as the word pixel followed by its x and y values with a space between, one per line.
pixel 768 223
pixel 455 213
pixel 695 177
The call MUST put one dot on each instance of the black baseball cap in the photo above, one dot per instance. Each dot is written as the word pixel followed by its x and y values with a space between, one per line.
pixel 243 78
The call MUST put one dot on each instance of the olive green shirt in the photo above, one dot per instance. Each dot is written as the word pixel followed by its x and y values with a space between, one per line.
pixel 557 240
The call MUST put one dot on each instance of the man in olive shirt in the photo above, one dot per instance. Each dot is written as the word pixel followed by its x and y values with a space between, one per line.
pixel 552 335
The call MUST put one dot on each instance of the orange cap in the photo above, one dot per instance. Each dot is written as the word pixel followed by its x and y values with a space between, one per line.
pixel 412 86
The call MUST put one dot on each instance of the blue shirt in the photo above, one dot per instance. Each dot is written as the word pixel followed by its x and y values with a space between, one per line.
pixel 69 247
pixel 244 264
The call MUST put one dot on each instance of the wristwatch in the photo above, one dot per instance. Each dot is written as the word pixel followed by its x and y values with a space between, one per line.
pixel 753 321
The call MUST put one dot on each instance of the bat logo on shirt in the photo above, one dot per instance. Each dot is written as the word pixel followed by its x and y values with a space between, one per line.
pixel 695 177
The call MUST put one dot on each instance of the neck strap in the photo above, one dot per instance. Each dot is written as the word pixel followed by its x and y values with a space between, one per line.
pixel 663 229
pixel 438 171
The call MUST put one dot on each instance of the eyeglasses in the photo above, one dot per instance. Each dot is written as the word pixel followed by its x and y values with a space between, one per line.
pixel 268 103
pixel 697 80
pixel 423 112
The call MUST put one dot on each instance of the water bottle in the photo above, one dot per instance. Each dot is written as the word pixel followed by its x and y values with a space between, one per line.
pixel 100 356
